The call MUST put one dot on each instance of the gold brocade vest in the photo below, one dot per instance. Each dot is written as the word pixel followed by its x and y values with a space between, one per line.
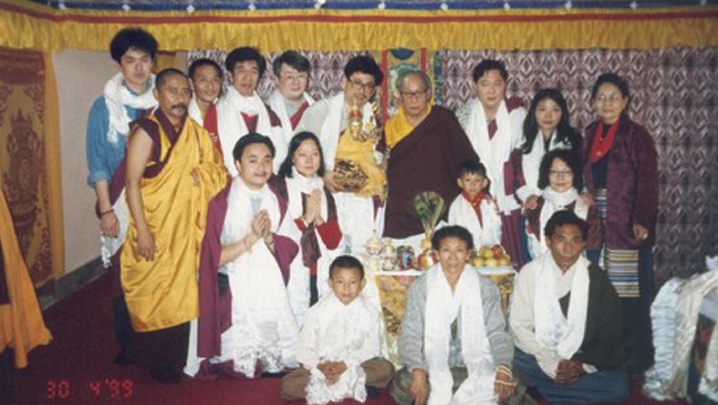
pixel 163 292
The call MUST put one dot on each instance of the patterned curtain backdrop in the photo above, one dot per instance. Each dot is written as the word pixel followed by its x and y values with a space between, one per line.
pixel 29 159
pixel 674 94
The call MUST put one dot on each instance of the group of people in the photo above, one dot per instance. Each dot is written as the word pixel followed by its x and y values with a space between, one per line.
pixel 234 226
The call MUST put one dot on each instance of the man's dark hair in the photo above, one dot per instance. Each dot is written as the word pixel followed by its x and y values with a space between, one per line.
pixel 249 139
pixel 572 160
pixel 472 167
pixel 562 218
pixel 285 169
pixel 165 73
pixel 449 232
pixel 613 79
pixel 364 64
pixel 132 38
pixel 489 64
pixel 244 54
pixel 346 262
pixel 293 59
pixel 204 62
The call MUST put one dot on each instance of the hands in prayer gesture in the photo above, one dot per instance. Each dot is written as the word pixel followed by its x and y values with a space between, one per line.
pixel 569 371
pixel 332 370
pixel 262 226
pixel 313 208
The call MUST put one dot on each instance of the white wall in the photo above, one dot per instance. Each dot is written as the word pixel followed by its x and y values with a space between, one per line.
pixel 81 76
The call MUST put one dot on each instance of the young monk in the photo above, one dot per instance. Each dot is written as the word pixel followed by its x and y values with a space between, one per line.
pixel 338 346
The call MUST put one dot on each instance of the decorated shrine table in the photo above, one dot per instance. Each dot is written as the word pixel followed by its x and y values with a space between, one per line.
pixel 393 286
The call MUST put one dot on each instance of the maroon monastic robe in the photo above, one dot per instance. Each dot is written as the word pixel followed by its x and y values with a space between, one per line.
pixel 425 160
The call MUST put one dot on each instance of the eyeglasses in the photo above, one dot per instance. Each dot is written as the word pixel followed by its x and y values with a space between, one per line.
pixel 560 173
pixel 363 87
pixel 412 95
pixel 608 98
pixel 294 77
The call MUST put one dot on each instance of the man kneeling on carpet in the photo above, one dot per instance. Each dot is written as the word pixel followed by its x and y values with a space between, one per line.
pixel 567 324
pixel 339 345
pixel 453 342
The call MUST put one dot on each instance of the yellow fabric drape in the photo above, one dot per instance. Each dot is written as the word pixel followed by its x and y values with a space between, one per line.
pixel 25 25
pixel 21 324
pixel 163 293
pixel 30 159
pixel 398 127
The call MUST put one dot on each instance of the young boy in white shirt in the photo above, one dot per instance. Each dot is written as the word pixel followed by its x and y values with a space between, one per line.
pixel 339 344
pixel 474 208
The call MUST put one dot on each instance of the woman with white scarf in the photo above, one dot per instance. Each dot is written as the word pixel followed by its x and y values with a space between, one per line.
pixel 453 344
pixel 313 210
pixel 547 127
pixel 560 181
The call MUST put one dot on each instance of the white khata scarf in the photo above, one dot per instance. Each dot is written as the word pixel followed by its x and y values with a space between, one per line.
pixel 556 201
pixel 493 152
pixel 555 332
pixel 231 125
pixel 442 308
pixel 276 101
pixel 531 162
pixel 331 130
pixel 117 96
pixel 298 184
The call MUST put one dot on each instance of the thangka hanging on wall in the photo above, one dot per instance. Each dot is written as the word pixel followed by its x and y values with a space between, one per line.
pixel 29 159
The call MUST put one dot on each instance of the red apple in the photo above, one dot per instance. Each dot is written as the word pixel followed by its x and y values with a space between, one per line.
pixel 498 251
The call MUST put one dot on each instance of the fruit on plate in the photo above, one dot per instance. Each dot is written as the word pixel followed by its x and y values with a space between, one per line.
pixel 486 252
pixel 494 256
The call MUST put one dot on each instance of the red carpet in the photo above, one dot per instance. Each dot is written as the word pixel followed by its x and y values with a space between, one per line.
pixel 78 367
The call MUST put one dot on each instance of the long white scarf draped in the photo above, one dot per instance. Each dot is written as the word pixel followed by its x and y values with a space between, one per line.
pixel 298 184
pixel 442 308
pixel 332 128
pixel 194 112
pixel 263 325
pixel 277 103
pixel 463 213
pixel 554 331
pixel 531 162
pixel 231 125
pixel 117 97
pixel 493 152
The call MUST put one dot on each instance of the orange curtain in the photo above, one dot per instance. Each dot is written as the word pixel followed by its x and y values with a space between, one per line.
pixel 30 159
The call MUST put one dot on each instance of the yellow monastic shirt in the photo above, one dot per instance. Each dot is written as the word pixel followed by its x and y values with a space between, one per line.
pixel 21 324
pixel 163 293
pixel 398 127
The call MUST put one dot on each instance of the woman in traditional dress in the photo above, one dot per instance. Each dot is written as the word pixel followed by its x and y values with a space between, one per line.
pixel 547 127
pixel 560 181
pixel 312 208
pixel 620 168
